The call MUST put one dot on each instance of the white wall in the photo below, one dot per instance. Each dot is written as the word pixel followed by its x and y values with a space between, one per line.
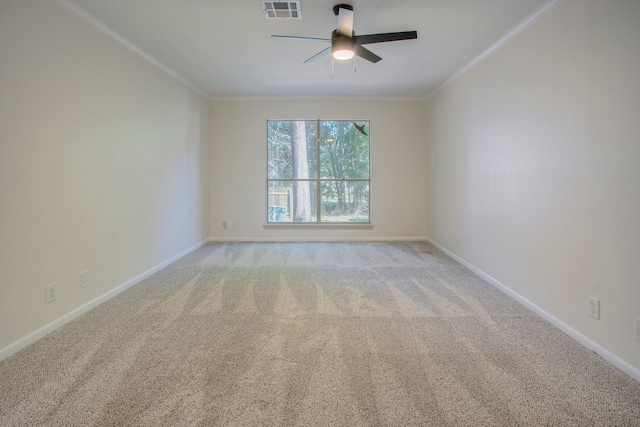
pixel 103 165
pixel 239 171
pixel 534 168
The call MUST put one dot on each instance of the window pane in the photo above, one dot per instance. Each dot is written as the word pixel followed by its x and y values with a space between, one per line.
pixel 318 159
pixel 292 201
pixel 344 149
pixel 345 201
pixel 292 149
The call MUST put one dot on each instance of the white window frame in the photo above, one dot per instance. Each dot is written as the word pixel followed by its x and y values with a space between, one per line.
pixel 318 180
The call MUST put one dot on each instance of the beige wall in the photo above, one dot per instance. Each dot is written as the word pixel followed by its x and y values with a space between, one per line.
pixel 103 165
pixel 534 168
pixel 107 165
pixel 239 155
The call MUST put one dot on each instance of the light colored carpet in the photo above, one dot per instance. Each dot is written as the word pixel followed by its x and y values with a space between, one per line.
pixel 341 334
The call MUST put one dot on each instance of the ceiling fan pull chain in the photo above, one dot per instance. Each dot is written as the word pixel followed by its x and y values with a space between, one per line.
pixel 332 68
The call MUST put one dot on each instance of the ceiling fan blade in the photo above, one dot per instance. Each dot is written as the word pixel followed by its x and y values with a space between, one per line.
pixel 386 37
pixel 345 22
pixel 365 53
pixel 320 54
pixel 312 39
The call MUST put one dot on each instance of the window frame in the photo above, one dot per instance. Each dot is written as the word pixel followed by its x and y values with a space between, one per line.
pixel 318 181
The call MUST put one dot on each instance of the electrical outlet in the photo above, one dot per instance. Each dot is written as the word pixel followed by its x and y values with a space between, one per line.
pixel 594 308
pixel 50 293
pixel 638 329
pixel 234 225
pixel 224 225
pixel 84 279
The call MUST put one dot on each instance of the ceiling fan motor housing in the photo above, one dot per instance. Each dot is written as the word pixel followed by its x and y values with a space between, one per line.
pixel 341 42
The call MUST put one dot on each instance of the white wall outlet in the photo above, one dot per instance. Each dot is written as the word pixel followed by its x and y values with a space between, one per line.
pixel 84 279
pixel 638 329
pixel 50 295
pixel 224 225
pixel 234 225
pixel 594 308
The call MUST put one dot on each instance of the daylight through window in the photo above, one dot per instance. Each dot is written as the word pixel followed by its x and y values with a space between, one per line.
pixel 318 171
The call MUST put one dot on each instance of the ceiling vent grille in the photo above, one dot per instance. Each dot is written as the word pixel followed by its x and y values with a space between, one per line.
pixel 281 9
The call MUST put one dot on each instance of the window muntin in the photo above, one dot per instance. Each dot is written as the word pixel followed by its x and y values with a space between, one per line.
pixel 318 166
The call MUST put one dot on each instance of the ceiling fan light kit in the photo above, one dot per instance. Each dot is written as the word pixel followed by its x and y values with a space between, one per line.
pixel 345 44
pixel 342 48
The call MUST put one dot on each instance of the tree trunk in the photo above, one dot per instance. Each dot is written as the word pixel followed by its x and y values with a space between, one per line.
pixel 300 170
pixel 340 185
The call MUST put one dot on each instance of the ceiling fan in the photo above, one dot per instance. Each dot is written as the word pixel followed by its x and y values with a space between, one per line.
pixel 344 41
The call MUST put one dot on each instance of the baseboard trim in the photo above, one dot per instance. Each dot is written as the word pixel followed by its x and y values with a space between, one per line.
pixel 582 339
pixel 66 318
pixel 315 239
pixel 616 361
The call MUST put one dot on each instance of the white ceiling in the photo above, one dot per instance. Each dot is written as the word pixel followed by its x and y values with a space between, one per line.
pixel 223 48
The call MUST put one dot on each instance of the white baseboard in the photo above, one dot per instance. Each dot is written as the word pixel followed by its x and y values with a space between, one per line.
pixel 616 361
pixel 50 327
pixel 582 339
pixel 315 239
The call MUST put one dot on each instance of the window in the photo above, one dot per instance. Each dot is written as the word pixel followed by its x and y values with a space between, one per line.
pixel 318 171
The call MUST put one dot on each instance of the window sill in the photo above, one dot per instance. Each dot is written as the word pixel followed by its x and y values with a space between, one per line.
pixel 334 226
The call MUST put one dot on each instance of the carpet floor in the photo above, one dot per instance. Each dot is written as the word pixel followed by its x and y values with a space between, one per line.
pixel 332 334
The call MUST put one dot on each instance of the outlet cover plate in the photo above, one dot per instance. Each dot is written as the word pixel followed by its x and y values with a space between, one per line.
pixel 594 308
pixel 50 295
pixel 638 329
pixel 84 279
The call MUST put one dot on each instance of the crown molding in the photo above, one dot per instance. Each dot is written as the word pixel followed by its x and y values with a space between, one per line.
pixel 317 98
pixel 103 28
pixel 539 13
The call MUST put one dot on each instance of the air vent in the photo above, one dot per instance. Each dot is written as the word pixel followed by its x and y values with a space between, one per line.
pixel 281 9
